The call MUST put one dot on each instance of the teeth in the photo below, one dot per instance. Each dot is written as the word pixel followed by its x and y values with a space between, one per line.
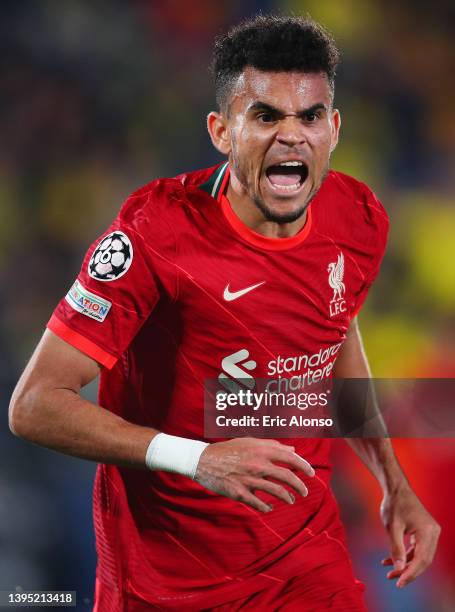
pixel 287 187
pixel 291 163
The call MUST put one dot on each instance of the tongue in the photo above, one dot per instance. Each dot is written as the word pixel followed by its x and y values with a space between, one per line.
pixel 283 180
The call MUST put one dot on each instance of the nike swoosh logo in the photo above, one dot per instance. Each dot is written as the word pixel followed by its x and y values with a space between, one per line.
pixel 229 296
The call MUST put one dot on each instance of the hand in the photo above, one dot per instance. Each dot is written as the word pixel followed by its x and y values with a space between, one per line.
pixel 403 514
pixel 239 467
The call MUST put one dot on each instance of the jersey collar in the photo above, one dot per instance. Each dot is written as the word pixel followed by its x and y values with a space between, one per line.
pixel 217 187
pixel 216 184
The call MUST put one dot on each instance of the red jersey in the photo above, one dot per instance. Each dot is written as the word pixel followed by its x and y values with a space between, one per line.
pixel 175 286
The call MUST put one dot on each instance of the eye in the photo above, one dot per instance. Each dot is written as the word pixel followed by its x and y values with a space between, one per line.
pixel 265 118
pixel 312 117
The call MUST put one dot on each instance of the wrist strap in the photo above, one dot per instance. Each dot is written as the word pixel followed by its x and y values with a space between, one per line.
pixel 174 454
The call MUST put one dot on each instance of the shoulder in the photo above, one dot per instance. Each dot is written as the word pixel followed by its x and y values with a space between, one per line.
pixel 347 205
pixel 357 195
pixel 163 198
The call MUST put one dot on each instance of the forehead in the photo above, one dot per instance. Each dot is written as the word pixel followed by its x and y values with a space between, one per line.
pixel 287 91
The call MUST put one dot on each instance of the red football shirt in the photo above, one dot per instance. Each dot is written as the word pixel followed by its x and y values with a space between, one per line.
pixel 153 304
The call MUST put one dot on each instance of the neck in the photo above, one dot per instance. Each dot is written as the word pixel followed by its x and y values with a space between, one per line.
pixel 247 211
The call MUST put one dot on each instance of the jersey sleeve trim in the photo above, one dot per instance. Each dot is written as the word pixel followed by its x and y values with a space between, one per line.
pixel 83 344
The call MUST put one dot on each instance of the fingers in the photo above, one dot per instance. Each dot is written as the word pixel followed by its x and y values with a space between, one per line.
pixel 387 561
pixel 425 547
pixel 397 545
pixel 418 556
pixel 294 460
pixel 409 555
pixel 396 573
pixel 288 477
pixel 272 488
pixel 238 467
pixel 284 454
pixel 247 497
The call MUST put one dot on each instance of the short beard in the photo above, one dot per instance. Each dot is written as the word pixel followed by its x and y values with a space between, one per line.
pixel 281 219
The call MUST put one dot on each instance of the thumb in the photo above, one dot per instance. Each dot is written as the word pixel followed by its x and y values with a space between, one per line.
pixel 397 547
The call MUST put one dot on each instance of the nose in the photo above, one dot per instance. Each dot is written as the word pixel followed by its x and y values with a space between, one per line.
pixel 291 132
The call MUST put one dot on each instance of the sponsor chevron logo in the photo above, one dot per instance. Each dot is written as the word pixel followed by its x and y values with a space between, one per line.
pixel 235 374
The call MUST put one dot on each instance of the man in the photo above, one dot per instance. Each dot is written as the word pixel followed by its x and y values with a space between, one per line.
pixel 225 261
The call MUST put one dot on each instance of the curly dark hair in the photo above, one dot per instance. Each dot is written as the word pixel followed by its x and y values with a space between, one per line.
pixel 272 43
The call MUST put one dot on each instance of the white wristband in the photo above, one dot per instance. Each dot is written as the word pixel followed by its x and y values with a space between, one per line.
pixel 174 454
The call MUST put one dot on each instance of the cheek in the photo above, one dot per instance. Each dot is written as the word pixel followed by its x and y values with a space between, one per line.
pixel 247 141
pixel 322 144
pixel 249 148
pixel 250 138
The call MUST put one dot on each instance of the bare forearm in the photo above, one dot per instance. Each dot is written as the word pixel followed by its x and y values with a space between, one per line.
pixel 376 451
pixel 379 457
pixel 46 408
pixel 63 421
pixel 401 511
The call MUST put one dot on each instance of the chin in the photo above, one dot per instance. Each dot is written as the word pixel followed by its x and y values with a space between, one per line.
pixel 281 214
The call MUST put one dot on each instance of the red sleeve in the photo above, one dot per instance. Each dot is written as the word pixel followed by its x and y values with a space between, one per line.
pixel 81 342
pixel 380 223
pixel 120 281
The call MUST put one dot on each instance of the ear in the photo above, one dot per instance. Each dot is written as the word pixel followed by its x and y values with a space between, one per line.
pixel 219 133
pixel 336 124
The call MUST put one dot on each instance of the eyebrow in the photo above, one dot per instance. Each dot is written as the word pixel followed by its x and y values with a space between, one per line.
pixel 263 106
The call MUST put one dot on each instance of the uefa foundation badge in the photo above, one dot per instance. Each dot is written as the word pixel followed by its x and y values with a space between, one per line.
pixel 87 303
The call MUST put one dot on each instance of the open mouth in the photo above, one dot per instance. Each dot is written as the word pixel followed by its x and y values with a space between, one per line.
pixel 287 177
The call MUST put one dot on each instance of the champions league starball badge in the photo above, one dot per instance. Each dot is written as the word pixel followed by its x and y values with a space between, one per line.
pixel 111 258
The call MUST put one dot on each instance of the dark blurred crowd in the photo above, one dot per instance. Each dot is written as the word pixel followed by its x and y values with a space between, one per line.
pixel 98 98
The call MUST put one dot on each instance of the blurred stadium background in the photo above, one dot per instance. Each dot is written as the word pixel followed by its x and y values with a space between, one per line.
pixel 98 99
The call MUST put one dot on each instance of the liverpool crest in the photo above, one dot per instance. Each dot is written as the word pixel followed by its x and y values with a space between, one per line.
pixel 336 274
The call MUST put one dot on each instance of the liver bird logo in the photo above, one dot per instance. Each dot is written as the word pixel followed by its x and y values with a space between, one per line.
pixel 336 273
